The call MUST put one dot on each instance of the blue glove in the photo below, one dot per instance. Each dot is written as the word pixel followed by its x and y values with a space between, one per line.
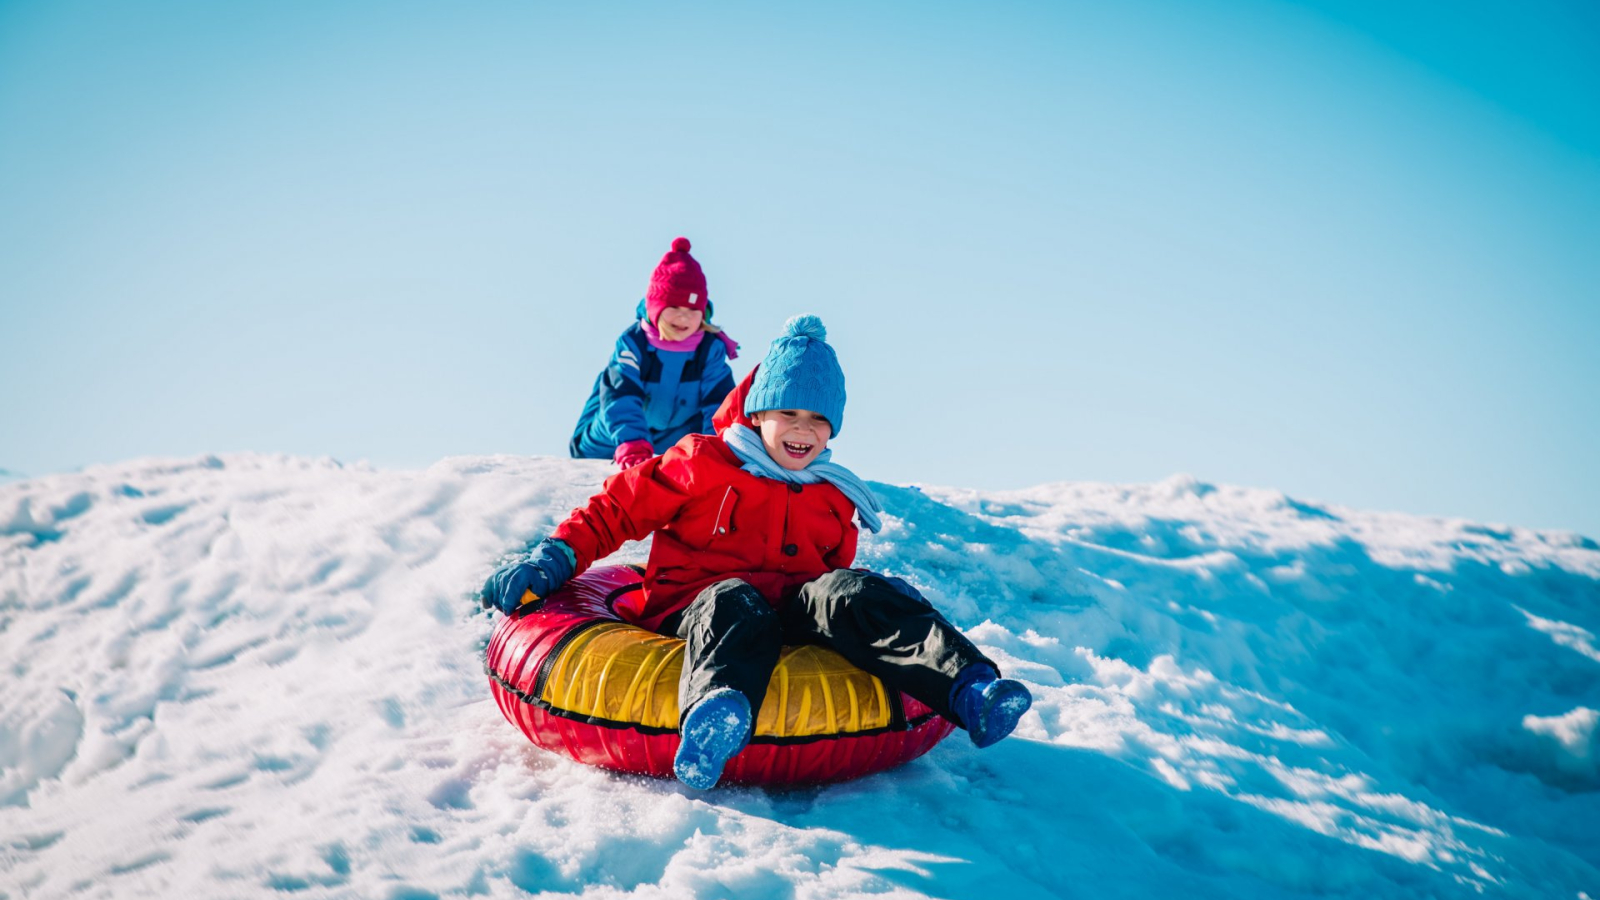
pixel 547 567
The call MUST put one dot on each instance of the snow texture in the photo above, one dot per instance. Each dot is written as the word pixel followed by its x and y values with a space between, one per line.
pixel 261 676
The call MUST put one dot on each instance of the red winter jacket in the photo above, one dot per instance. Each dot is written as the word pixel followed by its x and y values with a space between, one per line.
pixel 712 521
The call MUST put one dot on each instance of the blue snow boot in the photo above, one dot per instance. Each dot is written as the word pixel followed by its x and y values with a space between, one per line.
pixel 989 706
pixel 715 729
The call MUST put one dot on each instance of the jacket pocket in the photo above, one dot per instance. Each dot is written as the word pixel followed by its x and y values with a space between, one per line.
pixel 722 524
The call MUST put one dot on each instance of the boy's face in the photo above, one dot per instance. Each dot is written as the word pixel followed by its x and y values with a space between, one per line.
pixel 678 322
pixel 793 437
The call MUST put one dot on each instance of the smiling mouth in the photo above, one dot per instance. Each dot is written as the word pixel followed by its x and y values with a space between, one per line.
pixel 797 451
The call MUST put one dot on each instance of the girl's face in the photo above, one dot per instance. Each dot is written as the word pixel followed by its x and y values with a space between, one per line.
pixel 793 437
pixel 678 322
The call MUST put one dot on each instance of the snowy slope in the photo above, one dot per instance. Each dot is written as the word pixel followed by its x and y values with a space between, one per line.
pixel 260 676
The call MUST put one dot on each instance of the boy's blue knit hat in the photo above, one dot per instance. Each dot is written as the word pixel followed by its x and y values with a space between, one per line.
pixel 800 372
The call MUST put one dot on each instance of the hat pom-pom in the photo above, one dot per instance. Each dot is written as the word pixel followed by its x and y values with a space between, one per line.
pixel 680 244
pixel 806 326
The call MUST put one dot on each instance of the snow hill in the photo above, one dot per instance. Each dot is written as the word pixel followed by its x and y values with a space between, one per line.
pixel 261 676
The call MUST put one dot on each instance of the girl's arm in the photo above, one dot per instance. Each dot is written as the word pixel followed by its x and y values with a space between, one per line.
pixel 715 383
pixel 622 394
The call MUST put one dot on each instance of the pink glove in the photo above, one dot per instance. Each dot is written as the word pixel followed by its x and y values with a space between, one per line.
pixel 632 453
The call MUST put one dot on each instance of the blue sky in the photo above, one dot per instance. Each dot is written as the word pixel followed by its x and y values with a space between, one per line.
pixel 1344 250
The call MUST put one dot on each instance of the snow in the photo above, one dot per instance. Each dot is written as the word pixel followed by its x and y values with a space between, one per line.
pixel 261 675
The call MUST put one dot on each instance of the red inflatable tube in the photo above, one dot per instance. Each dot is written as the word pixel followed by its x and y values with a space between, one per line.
pixel 579 681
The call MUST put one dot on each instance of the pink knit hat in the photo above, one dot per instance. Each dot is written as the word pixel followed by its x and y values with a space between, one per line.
pixel 677 281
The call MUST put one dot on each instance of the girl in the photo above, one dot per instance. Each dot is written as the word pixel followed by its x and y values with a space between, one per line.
pixel 667 373
pixel 754 536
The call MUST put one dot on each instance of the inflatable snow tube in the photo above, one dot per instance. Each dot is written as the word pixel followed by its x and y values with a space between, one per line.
pixel 581 682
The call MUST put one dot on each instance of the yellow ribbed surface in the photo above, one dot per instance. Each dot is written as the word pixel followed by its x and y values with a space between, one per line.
pixel 623 673
pixel 617 671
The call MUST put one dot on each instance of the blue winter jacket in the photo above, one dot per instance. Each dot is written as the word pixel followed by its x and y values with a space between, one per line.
pixel 653 395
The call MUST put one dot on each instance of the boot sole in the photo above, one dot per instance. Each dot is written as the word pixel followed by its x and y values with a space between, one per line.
pixel 713 733
pixel 1007 706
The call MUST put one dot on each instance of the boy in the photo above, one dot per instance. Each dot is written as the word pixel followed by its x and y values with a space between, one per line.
pixel 754 534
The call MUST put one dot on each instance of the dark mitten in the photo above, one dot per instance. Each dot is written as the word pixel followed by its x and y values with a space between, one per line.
pixel 547 567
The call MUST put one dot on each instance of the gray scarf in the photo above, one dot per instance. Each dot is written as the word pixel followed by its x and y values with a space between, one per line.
pixel 746 445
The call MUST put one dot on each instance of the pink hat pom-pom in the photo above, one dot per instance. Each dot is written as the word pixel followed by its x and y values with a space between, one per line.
pixel 681 244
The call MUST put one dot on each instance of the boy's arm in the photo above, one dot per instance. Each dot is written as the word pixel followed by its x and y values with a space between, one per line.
pixel 546 566
pixel 715 383
pixel 632 504
pixel 622 395
pixel 843 555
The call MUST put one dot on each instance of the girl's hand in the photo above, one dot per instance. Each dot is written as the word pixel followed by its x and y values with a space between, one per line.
pixel 632 453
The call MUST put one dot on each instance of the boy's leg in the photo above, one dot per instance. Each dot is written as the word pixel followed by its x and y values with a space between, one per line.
pixel 897 637
pixel 733 638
